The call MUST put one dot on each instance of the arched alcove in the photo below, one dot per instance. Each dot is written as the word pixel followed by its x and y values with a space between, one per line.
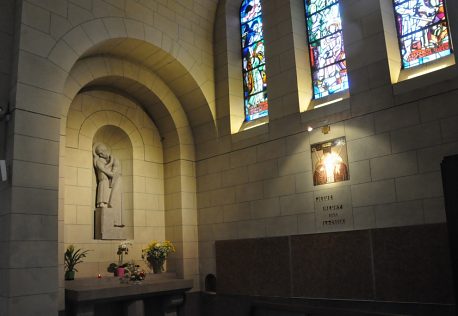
pixel 70 68
pixel 177 134
pixel 130 135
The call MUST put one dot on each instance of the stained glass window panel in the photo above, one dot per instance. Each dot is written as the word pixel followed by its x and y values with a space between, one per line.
pixel 253 56
pixel 313 6
pixel 422 31
pixel 252 32
pixel 327 51
pixel 254 81
pixel 249 10
pixel 324 23
pixel 410 19
pixel 256 106
pixel 425 46
pixel 253 60
pixel 330 80
pixel 326 46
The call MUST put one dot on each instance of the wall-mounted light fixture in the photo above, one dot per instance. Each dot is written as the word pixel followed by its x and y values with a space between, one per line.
pixel 325 129
pixel 323 125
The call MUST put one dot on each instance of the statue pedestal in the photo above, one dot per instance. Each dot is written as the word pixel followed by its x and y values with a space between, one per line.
pixel 107 222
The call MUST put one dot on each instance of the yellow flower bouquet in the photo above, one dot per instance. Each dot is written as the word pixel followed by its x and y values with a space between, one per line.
pixel 156 253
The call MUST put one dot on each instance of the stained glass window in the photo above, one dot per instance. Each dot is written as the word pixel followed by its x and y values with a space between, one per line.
pixel 326 46
pixel 422 31
pixel 253 59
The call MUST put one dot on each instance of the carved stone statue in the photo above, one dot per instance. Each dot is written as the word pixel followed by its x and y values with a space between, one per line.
pixel 108 173
pixel 108 222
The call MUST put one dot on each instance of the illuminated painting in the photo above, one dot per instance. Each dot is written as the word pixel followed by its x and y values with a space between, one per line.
pixel 253 60
pixel 326 47
pixel 422 31
pixel 330 161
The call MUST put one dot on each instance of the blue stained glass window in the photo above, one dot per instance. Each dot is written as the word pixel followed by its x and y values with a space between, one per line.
pixel 326 45
pixel 422 31
pixel 253 60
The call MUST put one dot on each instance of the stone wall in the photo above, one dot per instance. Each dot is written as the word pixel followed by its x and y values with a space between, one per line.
pixel 258 182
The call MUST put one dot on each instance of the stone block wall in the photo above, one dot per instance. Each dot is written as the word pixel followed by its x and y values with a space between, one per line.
pixel 258 182
pixel 394 162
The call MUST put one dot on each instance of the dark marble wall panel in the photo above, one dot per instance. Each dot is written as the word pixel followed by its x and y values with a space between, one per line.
pixel 336 265
pixel 254 266
pixel 412 264
pixel 271 272
pixel 234 263
pixel 231 305
pixel 406 264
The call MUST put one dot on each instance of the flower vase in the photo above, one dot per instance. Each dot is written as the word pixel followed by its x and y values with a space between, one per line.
pixel 156 264
pixel 120 272
pixel 69 275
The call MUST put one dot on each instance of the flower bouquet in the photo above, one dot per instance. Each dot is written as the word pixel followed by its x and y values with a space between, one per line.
pixel 133 274
pixel 118 269
pixel 156 253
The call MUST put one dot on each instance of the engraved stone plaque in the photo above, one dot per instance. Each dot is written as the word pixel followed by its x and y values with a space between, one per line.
pixel 333 209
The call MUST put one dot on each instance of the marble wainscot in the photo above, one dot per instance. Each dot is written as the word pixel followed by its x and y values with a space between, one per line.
pixel 162 294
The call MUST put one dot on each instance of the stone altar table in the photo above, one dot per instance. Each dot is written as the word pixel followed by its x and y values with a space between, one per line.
pixel 161 294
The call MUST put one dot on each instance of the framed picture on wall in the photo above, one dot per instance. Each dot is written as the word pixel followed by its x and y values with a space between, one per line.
pixel 330 161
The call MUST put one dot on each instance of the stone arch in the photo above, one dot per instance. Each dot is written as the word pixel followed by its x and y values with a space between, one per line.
pixel 104 118
pixel 88 70
pixel 174 64
pixel 187 78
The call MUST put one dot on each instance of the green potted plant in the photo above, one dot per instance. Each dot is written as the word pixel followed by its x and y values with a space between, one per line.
pixel 72 258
